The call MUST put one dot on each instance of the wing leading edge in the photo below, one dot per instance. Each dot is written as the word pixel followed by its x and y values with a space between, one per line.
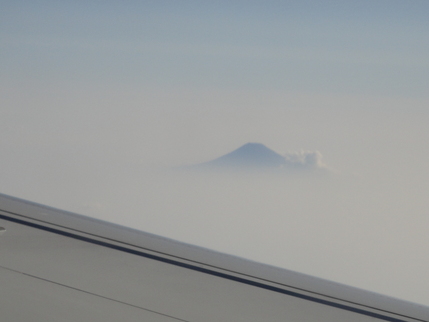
pixel 55 265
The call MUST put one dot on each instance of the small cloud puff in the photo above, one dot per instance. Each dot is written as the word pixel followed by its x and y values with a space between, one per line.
pixel 305 159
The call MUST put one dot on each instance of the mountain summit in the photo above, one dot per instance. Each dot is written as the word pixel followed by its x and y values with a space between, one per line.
pixel 256 156
pixel 250 155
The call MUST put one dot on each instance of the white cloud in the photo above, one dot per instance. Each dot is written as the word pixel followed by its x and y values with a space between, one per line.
pixel 305 159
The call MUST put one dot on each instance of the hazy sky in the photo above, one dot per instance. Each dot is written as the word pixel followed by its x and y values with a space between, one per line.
pixel 99 98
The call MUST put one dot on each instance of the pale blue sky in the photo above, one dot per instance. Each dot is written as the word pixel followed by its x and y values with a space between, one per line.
pixel 375 47
pixel 97 96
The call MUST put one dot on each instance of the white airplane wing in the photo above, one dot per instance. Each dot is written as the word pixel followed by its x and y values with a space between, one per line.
pixel 59 266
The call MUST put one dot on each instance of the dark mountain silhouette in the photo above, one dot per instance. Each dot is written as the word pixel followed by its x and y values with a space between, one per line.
pixel 250 155
pixel 257 157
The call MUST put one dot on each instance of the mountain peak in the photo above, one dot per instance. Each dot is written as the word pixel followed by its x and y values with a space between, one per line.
pixel 255 155
pixel 253 146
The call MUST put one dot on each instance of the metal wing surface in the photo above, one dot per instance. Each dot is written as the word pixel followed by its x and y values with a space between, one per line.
pixel 59 266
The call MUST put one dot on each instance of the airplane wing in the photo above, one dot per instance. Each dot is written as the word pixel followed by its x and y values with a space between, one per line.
pixel 59 266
